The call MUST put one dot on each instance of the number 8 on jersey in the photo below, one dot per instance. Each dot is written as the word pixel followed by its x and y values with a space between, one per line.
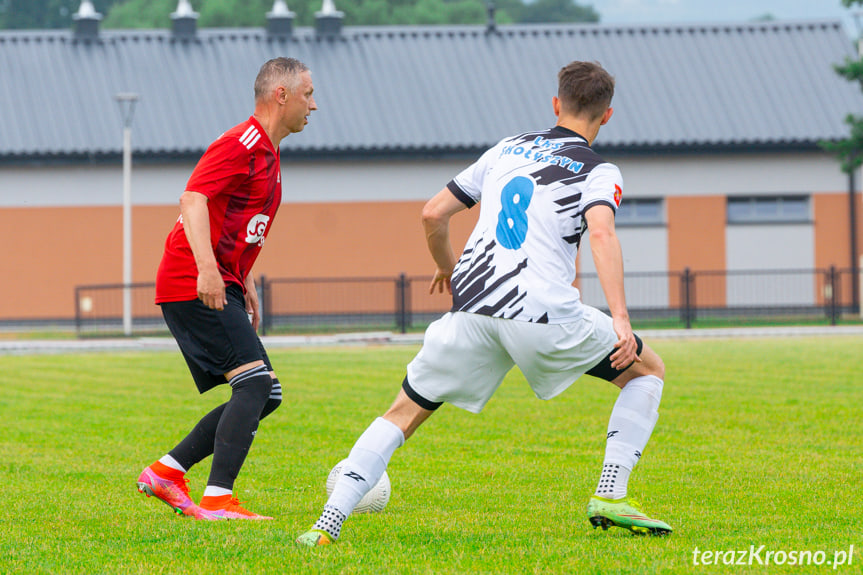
pixel 512 220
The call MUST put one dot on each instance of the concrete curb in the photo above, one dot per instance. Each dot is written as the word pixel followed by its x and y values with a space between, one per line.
pixel 30 347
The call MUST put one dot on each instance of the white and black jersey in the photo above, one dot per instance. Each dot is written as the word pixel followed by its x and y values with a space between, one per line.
pixel 533 190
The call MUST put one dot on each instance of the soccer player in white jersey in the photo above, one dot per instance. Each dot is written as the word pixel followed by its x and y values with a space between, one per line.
pixel 514 303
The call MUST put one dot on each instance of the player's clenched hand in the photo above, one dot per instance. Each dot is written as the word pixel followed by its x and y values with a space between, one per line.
pixel 441 282
pixel 211 289
pixel 626 347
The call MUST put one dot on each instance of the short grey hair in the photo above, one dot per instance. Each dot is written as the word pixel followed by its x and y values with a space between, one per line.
pixel 279 71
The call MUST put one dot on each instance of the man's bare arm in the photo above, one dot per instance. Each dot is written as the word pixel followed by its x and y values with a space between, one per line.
pixel 196 225
pixel 436 216
pixel 608 259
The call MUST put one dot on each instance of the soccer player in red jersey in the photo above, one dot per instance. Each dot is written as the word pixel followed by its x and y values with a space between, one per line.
pixel 207 292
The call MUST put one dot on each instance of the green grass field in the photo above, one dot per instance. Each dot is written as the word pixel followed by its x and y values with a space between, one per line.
pixel 758 444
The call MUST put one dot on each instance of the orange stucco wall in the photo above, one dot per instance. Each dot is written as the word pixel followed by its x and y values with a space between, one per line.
pixel 832 236
pixel 832 230
pixel 56 249
pixel 52 250
pixel 696 240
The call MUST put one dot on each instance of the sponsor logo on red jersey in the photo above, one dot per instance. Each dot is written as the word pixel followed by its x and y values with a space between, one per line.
pixel 256 228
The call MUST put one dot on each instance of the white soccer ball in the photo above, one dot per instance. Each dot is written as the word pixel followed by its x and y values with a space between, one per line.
pixel 373 501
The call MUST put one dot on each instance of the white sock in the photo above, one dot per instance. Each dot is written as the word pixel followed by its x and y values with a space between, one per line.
pixel 214 491
pixel 330 521
pixel 169 461
pixel 613 481
pixel 366 464
pixel 632 420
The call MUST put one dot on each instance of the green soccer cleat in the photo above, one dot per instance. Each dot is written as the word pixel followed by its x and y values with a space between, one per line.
pixel 315 537
pixel 623 513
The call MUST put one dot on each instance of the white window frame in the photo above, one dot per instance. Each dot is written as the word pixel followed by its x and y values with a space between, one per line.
pixel 751 209
pixel 655 217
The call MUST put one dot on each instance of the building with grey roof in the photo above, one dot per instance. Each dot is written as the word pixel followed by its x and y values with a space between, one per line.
pixel 428 90
pixel 707 118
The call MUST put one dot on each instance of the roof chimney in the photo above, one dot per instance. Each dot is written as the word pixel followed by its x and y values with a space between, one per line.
pixel 328 22
pixel 86 21
pixel 185 21
pixel 491 25
pixel 280 20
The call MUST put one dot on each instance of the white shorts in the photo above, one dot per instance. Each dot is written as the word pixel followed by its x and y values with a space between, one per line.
pixel 465 356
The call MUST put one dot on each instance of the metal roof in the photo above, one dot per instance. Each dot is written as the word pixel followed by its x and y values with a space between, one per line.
pixel 430 90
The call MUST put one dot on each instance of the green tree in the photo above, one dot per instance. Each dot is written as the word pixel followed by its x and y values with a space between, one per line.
pixel 243 13
pixel 850 149
pixel 42 14
pixel 213 13
pixel 558 11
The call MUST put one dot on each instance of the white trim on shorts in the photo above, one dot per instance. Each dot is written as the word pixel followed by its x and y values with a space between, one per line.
pixel 465 356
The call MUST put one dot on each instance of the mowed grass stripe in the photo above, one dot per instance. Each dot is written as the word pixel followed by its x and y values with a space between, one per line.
pixel 757 444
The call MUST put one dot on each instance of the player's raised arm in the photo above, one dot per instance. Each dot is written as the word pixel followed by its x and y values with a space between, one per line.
pixel 436 216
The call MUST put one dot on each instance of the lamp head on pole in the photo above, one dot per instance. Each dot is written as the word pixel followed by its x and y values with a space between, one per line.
pixel 127 101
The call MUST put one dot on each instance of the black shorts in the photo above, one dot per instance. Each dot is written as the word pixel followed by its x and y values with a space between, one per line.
pixel 603 369
pixel 214 342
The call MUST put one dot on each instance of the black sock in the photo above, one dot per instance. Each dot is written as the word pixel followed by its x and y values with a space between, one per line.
pixel 198 445
pixel 275 399
pixel 238 425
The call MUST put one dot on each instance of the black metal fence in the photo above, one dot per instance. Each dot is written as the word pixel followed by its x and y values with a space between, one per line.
pixel 663 299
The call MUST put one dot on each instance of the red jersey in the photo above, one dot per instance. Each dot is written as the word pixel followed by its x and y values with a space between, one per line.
pixel 241 176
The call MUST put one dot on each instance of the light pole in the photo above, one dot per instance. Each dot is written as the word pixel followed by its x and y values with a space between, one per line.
pixel 127 103
pixel 856 288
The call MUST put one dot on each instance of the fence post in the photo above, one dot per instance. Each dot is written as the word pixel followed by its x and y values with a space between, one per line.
pixel 263 292
pixel 409 304
pixel 833 294
pixel 77 311
pixel 686 297
pixel 402 303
